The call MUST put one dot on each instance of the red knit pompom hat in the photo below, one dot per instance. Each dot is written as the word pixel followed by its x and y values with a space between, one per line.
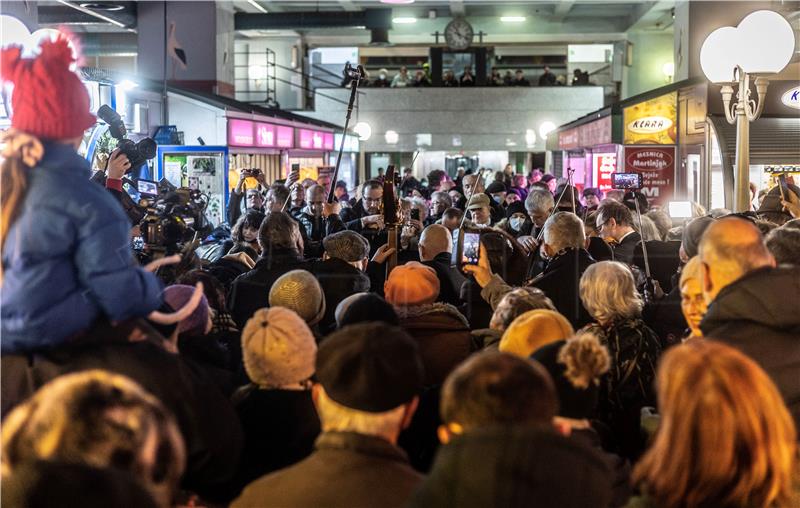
pixel 49 100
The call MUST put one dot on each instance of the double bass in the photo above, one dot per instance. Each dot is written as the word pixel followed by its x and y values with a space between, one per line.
pixel 391 215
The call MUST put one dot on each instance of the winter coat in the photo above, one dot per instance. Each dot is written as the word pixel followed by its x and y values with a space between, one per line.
pixel 477 310
pixel 515 467
pixel 206 419
pixel 628 386
pixel 346 470
pixel 759 314
pixel 317 228
pixel 280 427
pixel 250 291
pixel 352 221
pixel 450 279
pixel 560 282
pixel 339 279
pixel 67 259
pixel 623 251
pixel 442 334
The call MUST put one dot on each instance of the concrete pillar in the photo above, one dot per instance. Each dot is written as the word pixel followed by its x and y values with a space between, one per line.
pixel 27 12
pixel 205 32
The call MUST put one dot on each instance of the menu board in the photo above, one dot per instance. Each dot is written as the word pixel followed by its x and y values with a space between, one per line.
pixel 652 122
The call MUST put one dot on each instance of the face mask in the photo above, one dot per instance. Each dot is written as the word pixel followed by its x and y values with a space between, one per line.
pixel 497 199
pixel 516 223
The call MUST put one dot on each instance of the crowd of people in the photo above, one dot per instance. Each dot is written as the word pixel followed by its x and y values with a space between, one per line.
pixel 422 78
pixel 310 363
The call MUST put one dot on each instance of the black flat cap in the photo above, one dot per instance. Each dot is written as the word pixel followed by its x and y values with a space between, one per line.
pixel 370 367
pixel 496 187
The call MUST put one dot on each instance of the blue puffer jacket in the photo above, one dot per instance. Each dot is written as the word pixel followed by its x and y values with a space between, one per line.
pixel 67 258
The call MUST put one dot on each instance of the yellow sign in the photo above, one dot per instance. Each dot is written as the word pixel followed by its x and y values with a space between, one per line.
pixel 652 122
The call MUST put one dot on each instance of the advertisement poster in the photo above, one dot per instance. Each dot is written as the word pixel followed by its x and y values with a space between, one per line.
pixel 657 167
pixel 603 164
pixel 652 122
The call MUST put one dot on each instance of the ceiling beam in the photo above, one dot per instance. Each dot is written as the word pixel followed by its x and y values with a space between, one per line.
pixel 562 9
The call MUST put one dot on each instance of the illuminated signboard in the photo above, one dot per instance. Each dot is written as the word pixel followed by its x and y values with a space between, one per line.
pixel 791 98
pixel 350 143
pixel 315 140
pixel 265 135
pixel 656 164
pixel 603 164
pixel 240 132
pixel 652 122
pixel 285 136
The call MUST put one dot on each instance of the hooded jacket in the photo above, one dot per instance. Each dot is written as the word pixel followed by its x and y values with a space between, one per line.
pixel 67 259
pixel 759 314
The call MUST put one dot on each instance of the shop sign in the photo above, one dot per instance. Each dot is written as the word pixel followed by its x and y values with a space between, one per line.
pixel 240 132
pixel 652 122
pixel 265 135
pixel 569 139
pixel 656 164
pixel 284 136
pixel 315 140
pixel 595 133
pixel 350 142
pixel 603 165
pixel 791 98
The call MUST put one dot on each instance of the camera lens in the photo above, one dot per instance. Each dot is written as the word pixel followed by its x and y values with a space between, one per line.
pixel 147 147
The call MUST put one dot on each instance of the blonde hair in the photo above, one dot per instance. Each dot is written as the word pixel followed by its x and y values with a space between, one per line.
pixel 98 419
pixel 335 417
pixel 585 359
pixel 725 438
pixel 608 292
pixel 692 270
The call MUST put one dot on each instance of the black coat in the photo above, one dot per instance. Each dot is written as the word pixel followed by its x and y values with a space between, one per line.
pixel 759 314
pixel 280 427
pixel 316 229
pixel 516 467
pixel 450 279
pixel 206 419
pixel 560 281
pixel 250 291
pixel 352 221
pixel 623 251
pixel 339 280
pixel 663 258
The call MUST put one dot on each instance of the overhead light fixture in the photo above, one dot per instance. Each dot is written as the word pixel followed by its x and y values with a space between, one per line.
pixel 91 13
pixel 546 128
pixel 391 137
pixel 102 6
pixel 396 2
pixel 404 21
pixel 530 137
pixel 513 19
pixel 127 85
pixel 363 130
pixel 257 6
pixel 669 70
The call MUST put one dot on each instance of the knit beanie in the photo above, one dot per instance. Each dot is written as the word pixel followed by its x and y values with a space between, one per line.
pixel 411 284
pixel 300 291
pixel 516 207
pixel 534 329
pixel 49 100
pixel 369 308
pixel 179 295
pixel 278 348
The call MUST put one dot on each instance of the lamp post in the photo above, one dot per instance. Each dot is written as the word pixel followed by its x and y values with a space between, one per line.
pixel 762 44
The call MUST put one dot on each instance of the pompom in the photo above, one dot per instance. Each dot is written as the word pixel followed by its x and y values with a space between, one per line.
pixel 10 63
pixel 57 52
pixel 585 358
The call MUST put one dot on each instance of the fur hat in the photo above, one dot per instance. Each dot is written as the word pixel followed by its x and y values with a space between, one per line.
pixel 300 291
pixel 278 348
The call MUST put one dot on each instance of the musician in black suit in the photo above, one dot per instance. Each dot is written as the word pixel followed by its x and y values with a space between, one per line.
pixel 615 224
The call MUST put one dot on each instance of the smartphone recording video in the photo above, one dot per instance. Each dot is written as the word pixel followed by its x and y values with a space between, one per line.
pixel 471 251
pixel 627 181
pixel 784 188
pixel 147 187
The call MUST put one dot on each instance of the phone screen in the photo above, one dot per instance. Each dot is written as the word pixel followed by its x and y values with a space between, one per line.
pixel 470 254
pixel 626 180
pixel 680 209
pixel 783 186
pixel 147 187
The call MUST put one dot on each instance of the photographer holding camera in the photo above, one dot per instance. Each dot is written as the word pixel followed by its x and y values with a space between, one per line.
pixel 254 200
pixel 65 265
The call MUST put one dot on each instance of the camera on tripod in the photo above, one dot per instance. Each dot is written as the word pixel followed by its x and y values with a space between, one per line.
pixel 137 152
pixel 171 216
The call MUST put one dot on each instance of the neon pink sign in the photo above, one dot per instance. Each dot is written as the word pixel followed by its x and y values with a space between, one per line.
pixel 315 140
pixel 327 141
pixel 240 132
pixel 285 136
pixel 265 135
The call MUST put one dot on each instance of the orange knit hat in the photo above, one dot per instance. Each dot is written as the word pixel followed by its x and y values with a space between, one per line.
pixel 534 329
pixel 411 284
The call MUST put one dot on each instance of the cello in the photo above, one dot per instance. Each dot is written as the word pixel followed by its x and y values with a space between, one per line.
pixel 391 212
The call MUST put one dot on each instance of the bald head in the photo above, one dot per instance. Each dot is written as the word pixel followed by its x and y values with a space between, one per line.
pixel 731 248
pixel 435 239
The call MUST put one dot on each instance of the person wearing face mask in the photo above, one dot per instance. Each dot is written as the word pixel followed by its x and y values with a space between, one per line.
pixel 383 79
pixel 497 191
pixel 517 223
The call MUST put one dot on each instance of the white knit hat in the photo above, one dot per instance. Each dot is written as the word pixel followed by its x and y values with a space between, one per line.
pixel 278 348
pixel 300 291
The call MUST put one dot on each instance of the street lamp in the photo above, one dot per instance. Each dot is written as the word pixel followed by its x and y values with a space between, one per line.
pixel 762 44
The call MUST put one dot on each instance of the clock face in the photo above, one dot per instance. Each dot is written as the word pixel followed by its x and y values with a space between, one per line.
pixel 458 34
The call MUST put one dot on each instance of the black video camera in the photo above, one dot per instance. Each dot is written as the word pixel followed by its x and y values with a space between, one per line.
pixel 137 153
pixel 172 218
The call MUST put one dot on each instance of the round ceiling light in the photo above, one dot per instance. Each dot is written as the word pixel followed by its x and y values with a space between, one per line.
pixel 363 130
pixel 102 6
pixel 396 2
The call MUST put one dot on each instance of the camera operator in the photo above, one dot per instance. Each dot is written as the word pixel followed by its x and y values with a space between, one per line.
pixel 254 200
pixel 65 265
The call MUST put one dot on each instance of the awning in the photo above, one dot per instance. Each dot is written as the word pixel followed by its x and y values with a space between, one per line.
pixel 772 140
